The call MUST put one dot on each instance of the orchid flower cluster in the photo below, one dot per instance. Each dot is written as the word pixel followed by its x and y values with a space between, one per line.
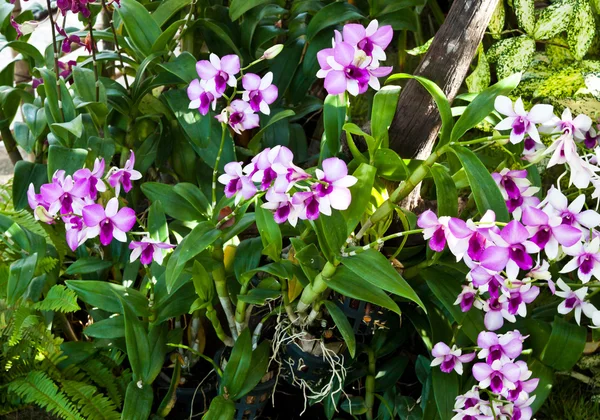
pixel 506 381
pixel 291 193
pixel 216 74
pixel 76 200
pixel 352 62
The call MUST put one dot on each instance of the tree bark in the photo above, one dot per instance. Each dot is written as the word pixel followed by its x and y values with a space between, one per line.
pixel 447 61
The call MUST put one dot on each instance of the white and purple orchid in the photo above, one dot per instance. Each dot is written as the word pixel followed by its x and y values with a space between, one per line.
pixel 201 97
pixel 148 250
pixel 110 222
pixel 449 359
pixel 373 39
pixel 574 301
pixel 497 376
pixel 519 121
pixel 118 177
pixel 239 115
pixel 259 92
pixel 219 72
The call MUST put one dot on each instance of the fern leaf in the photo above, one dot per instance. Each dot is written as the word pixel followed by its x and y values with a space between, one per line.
pixel 37 388
pixel 46 264
pixel 26 220
pixel 91 404
pixel 104 378
pixel 58 299
pixel 22 320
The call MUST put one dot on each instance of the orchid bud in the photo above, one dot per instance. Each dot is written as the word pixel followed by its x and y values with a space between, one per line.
pixel 42 215
pixel 272 52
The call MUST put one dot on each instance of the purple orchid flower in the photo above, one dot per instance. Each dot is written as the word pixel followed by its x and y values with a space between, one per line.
pixel 498 376
pixel 76 231
pixel 575 127
pixel 466 298
pixel 519 121
pixel 17 27
pixel 524 386
pixel 200 97
pixel 503 347
pixel 109 223
pixel 333 185
pixel 68 39
pixel 450 359
pixel 219 72
pixel 519 409
pixel 240 116
pixel 548 232
pixel 434 229
pixel 93 178
pixel 259 93
pixel 520 297
pixel 148 250
pixel 591 138
pixel 118 177
pixel 345 67
pixel 64 194
pixel 66 69
pixel 485 281
pixel 472 413
pixel 496 311
pixel 586 261
pixel 471 398
pixel 574 301
pixel 511 182
pixel 527 198
pixel 274 164
pixel 512 247
pixel 307 204
pixel 571 214
pixel 373 40
pixel 282 207
pixel 236 182
pixel 39 206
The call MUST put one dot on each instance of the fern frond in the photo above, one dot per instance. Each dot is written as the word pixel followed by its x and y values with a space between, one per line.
pixel 105 379
pixel 22 319
pixel 56 235
pixel 58 299
pixel 37 388
pixel 92 405
pixel 26 220
pixel 46 264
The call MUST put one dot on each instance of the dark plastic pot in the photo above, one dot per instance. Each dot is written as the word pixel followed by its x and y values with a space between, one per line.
pixel 302 365
pixel 363 323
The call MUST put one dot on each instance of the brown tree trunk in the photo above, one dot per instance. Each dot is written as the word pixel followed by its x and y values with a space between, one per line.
pixel 447 61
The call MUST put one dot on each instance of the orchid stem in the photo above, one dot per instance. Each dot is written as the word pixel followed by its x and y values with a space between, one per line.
pixel 55 56
pixel 95 63
pixel 480 140
pixel 380 241
pixel 318 286
pixel 117 47
pixel 216 168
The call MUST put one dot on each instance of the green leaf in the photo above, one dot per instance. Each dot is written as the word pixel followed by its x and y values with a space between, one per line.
pixel 546 377
pixel 440 100
pixel 334 115
pixel 445 388
pixel 58 299
pixel 194 196
pixel 238 7
pixel 373 267
pixel 74 127
pixel 353 286
pixel 138 401
pixel 343 325
pixel 136 340
pixel 553 19
pixel 35 118
pixel 174 204
pixel 238 366
pixel 220 409
pixel 260 364
pixel 167 9
pixel 103 295
pixel 28 50
pixel 88 265
pixel 446 193
pixel 247 257
pixel 390 165
pixel 270 234
pixel 486 192
pixel 581 30
pixel 200 238
pixel 525 11
pixel 20 275
pixel 157 222
pixel 25 174
pixel 331 233
pixel 113 327
pixel 565 346
pixel 254 143
pixel 331 15
pixel 421 49
pixel 183 66
pixel 512 55
pixel 482 106
pixel 480 78
pixel 382 115
pixel 361 195
pixel 220 31
pixel 497 21
pixel 203 283
pixel 389 372
pixel 141 28
pixel 69 160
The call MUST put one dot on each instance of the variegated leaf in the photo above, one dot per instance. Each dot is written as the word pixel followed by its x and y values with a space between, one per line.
pixel 524 10
pixel 554 19
pixel 479 79
pixel 421 49
pixel 497 22
pixel 558 52
pixel 516 57
pixel 581 29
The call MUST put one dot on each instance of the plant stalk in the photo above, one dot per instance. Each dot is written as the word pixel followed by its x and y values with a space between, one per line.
pixel 55 56
pixel 370 385
pixel 216 168
pixel 318 286
pixel 116 41
pixel 95 63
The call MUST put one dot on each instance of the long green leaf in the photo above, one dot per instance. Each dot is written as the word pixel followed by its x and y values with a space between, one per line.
pixel 138 402
pixel 485 191
pixel 334 114
pixel 445 388
pixel 341 321
pixel 361 195
pixel 136 340
pixel 238 7
pixel 447 195
pixel 141 28
pixel 20 275
pixel 382 115
pixel 101 294
pixel 331 15
pixel 220 409
pixel 238 366
pixel 565 345
pixel 88 265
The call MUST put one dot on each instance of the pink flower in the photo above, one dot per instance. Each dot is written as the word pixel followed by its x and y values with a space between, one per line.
pixel 548 232
pixel 64 194
pixel 307 203
pixel 568 125
pixel 519 121
pixel 110 222
pixel 571 214
pixel 434 229
pixel 219 72
pixel 574 301
pixel 503 347
pixel 259 93
pixel 519 297
pixel 586 261
pixel 524 386
pixel 274 164
pixel 200 97
pixel 450 359
pixel 118 177
pixel 332 188
pixel 498 376
pixel 76 231
pixel 373 40
pixel 511 182
pixel 93 178
pixel 68 39
pixel 466 298
pixel 149 250
pixel 17 27
pixel 240 116
pixel 282 207
pixel 496 309
pixel 236 182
